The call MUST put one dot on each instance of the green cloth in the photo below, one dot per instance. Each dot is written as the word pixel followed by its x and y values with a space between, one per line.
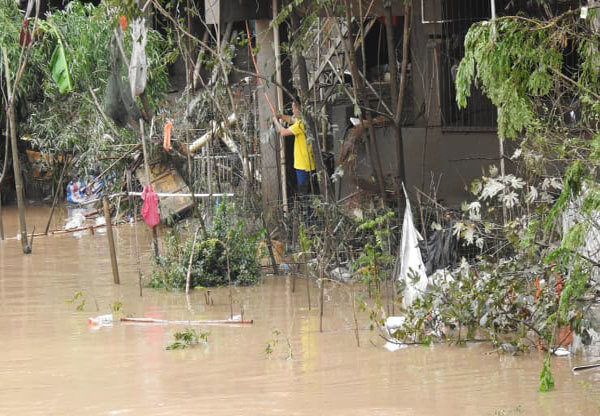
pixel 60 69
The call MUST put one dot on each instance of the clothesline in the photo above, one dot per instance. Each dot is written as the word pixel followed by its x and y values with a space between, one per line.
pixel 168 194
pixel 161 195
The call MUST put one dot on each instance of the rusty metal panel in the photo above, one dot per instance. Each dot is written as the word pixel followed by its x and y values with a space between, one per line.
pixel 167 180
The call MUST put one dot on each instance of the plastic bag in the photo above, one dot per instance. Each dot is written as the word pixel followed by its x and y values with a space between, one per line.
pixel 412 267
pixel 150 207
pixel 138 65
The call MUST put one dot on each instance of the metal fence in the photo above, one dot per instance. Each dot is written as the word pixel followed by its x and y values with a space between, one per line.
pixel 223 173
pixel 457 18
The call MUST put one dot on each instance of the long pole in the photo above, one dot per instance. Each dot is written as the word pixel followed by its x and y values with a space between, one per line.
pixel 58 188
pixel 280 109
pixel 111 241
pixel 148 182
pixel 1 222
pixel 500 139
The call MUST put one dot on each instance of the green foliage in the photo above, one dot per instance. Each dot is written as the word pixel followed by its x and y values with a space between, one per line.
pixel 116 306
pixel 71 50
pixel 546 378
pixel 573 181
pixel 374 260
pixel 10 22
pixel 512 60
pixel 209 265
pixel 272 343
pixel 187 339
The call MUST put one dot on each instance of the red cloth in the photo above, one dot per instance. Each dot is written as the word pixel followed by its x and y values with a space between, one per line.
pixel 150 207
pixel 25 35
pixel 123 23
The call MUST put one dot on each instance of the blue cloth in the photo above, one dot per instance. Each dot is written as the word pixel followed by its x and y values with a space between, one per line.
pixel 302 176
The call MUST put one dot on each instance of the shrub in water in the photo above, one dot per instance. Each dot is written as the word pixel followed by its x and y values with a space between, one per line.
pixel 209 263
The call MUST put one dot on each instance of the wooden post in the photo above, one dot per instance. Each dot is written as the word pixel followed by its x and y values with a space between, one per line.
pixel 111 241
pixel 270 245
pixel 134 206
pixel 148 182
pixel 1 222
pixel 189 270
pixel 307 279
pixel 229 281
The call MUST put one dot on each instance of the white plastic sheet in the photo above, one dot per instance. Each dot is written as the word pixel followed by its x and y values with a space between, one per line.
pixel 138 67
pixel 411 261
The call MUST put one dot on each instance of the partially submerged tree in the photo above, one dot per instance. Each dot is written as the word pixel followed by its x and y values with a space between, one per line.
pixel 543 75
pixel 16 42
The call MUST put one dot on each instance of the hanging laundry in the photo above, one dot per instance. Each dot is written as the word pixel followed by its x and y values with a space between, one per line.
pixel 123 23
pixel 138 66
pixel 167 138
pixel 25 35
pixel 150 207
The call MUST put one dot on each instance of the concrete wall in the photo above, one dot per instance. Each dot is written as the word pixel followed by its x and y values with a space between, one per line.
pixel 451 159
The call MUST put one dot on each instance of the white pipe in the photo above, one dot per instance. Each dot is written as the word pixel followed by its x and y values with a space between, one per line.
pixel 168 194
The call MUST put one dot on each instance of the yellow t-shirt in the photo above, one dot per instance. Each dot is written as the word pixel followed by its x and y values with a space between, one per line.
pixel 301 159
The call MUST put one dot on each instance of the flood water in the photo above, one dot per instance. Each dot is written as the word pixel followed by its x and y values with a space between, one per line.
pixel 53 363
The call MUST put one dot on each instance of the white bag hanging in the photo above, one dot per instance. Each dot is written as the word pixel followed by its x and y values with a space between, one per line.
pixel 138 66
pixel 411 260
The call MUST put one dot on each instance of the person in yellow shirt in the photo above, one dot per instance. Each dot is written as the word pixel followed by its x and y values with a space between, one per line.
pixel 304 160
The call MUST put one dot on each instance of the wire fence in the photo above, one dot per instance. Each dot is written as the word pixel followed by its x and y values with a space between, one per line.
pixel 458 16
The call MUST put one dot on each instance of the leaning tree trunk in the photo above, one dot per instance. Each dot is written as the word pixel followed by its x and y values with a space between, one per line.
pixel 363 99
pixel 18 179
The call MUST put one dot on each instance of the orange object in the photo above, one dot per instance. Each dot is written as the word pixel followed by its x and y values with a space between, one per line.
pixel 559 286
pixel 260 80
pixel 167 139
pixel 538 290
pixel 123 23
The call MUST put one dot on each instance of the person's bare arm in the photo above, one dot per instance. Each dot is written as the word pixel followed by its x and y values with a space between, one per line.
pixel 280 129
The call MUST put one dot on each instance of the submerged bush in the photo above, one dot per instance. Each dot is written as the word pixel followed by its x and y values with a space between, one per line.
pixel 209 263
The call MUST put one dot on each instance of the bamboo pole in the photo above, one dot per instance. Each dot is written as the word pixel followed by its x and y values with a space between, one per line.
pixel 229 279
pixel 148 182
pixel 2 176
pixel 58 188
pixel 10 112
pixel 307 279
pixel 355 319
pixel 189 270
pixel 322 297
pixel 181 322
pixel 269 245
pixel 133 205
pixel 111 241
pixel 1 221
pixel 280 109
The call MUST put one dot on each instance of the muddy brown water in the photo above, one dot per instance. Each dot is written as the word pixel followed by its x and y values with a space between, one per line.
pixel 53 363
